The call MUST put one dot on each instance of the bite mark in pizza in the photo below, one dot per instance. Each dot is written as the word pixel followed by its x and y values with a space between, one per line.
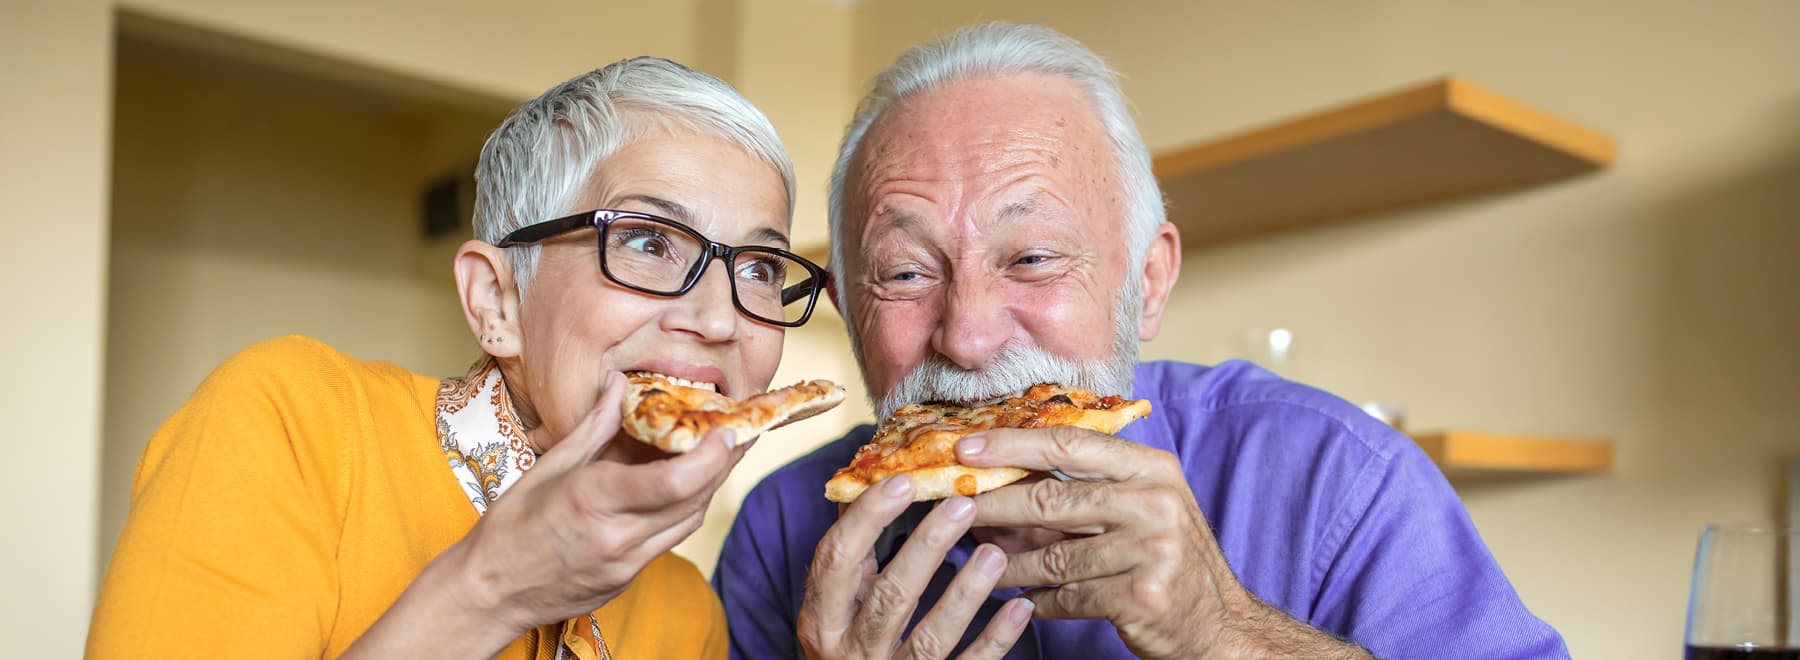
pixel 673 414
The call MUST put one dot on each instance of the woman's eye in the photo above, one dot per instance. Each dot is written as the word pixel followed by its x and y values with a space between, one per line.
pixel 1031 260
pixel 763 270
pixel 904 277
pixel 645 241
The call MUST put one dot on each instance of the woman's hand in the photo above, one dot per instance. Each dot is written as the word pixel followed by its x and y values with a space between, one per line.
pixel 567 538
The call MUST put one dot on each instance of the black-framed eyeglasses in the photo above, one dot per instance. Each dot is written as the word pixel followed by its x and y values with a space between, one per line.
pixel 662 257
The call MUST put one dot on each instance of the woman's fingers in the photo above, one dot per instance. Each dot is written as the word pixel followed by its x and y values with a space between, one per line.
pixel 661 485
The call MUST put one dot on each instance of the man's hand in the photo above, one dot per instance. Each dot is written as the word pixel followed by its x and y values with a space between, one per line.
pixel 1148 562
pixel 850 611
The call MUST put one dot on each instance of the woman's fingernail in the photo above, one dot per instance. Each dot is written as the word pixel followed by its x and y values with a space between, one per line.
pixel 987 560
pixel 1022 614
pixel 959 507
pixel 897 486
pixel 971 445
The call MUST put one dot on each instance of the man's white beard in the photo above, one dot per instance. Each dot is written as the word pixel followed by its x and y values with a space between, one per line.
pixel 1015 367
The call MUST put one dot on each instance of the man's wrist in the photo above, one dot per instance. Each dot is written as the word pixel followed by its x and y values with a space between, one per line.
pixel 1256 629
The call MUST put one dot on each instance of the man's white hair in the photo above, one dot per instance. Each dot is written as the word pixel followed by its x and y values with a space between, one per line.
pixel 1000 49
pixel 537 164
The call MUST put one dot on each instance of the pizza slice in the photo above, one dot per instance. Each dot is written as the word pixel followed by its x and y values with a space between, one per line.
pixel 919 440
pixel 673 414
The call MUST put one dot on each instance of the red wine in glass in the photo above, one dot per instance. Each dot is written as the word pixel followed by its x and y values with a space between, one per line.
pixel 1745 599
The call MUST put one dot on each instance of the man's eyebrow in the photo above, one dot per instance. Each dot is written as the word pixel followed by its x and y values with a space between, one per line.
pixel 1019 209
pixel 897 218
pixel 671 210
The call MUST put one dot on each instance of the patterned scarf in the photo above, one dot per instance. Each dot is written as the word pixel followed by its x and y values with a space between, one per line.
pixel 482 439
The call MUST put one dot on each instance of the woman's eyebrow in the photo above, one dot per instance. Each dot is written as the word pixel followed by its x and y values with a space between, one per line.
pixel 767 235
pixel 669 209
pixel 676 211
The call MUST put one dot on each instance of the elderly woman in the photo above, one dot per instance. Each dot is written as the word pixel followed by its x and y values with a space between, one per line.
pixel 304 503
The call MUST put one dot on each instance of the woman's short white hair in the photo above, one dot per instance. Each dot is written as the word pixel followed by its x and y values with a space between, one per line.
pixel 536 165
pixel 998 49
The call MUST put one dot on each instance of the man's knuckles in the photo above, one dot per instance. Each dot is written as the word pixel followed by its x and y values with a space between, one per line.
pixel 1068 445
pixel 834 552
pixel 1149 596
pixel 1163 550
pixel 926 642
pixel 887 599
pixel 1061 562
pixel 1045 499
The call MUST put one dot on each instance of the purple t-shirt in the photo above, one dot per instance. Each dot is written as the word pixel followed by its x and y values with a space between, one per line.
pixel 1320 509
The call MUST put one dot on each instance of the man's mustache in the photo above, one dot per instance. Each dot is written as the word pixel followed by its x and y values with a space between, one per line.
pixel 1011 371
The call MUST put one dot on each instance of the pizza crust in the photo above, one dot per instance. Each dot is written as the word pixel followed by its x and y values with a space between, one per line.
pixel 934 483
pixel 919 440
pixel 674 417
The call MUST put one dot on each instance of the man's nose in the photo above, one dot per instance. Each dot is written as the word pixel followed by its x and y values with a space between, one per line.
pixel 974 322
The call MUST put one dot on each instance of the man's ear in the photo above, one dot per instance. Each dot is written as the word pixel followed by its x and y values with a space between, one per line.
pixel 831 292
pixel 1162 265
pixel 490 298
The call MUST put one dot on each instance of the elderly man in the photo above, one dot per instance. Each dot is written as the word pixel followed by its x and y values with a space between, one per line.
pixel 995 224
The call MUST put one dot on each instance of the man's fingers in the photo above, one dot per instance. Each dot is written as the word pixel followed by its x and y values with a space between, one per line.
pixel 895 593
pixel 837 567
pixel 1090 599
pixel 591 435
pixel 1076 452
pixel 937 633
pixel 1071 560
pixel 1068 506
pixel 1001 632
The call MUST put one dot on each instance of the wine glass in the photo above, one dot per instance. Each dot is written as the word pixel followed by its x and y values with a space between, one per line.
pixel 1745 598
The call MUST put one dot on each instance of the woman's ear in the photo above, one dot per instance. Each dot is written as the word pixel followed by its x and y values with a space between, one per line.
pixel 490 298
pixel 1162 265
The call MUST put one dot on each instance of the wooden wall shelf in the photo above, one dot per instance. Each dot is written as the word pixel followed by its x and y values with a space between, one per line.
pixel 1473 452
pixel 1434 142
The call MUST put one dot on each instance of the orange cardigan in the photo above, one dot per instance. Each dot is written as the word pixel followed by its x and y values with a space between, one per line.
pixel 293 498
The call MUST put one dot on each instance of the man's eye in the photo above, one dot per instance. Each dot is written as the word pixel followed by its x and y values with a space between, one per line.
pixel 904 277
pixel 1031 260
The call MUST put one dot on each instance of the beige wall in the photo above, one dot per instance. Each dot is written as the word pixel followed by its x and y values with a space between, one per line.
pixel 1651 303
pixel 1645 303
pixel 249 204
pixel 507 49
pixel 54 64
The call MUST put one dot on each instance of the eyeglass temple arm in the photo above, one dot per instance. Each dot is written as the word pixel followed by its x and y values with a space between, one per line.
pixel 820 282
pixel 546 229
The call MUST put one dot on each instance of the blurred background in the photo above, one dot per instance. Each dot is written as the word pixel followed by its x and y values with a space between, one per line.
pixel 186 177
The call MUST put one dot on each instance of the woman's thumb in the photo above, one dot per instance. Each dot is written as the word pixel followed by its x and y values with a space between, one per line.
pixel 593 433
